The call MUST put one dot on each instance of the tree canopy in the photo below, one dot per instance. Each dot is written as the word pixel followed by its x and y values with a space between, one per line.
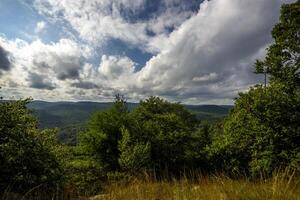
pixel 26 155
pixel 282 61
pixel 262 132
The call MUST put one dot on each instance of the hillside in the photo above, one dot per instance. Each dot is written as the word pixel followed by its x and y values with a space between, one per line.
pixel 65 114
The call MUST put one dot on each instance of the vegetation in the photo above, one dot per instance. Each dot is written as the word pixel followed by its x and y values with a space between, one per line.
pixel 71 117
pixel 262 132
pixel 28 157
pixel 281 186
pixel 161 150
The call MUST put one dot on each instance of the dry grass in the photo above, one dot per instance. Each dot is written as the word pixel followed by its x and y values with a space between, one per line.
pixel 281 187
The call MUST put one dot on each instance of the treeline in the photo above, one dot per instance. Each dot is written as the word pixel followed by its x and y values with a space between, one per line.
pixel 163 139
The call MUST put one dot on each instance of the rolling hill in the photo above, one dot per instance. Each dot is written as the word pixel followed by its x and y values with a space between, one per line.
pixel 65 114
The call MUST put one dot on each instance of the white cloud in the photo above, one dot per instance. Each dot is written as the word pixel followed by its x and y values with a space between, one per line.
pixel 99 20
pixel 43 66
pixel 40 26
pixel 114 67
pixel 219 43
pixel 207 58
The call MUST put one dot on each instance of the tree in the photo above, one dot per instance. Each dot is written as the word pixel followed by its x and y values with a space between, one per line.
pixel 262 132
pixel 282 61
pixel 104 132
pixel 167 128
pixel 134 157
pixel 27 158
pixel 156 135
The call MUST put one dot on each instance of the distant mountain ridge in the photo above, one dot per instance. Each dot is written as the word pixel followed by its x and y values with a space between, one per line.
pixel 64 114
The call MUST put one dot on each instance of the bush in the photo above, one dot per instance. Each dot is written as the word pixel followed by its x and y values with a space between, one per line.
pixel 168 129
pixel 103 133
pixel 83 174
pixel 262 132
pixel 27 158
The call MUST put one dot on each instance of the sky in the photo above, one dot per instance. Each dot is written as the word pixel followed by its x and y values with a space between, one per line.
pixel 191 51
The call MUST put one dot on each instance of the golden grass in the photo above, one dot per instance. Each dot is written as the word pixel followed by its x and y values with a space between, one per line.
pixel 280 187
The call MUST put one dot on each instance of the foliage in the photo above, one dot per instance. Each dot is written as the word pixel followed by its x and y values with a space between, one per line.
pixel 133 156
pixel 168 128
pixel 27 158
pixel 83 173
pixel 166 140
pixel 157 135
pixel 262 132
pixel 283 57
pixel 71 117
pixel 103 134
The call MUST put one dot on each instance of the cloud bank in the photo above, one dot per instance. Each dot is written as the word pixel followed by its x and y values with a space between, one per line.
pixel 205 55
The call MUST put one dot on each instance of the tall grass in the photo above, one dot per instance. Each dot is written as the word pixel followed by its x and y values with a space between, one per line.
pixel 283 185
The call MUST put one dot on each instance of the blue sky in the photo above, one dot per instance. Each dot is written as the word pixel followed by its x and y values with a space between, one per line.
pixel 199 52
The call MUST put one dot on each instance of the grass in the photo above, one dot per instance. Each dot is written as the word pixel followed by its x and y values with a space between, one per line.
pixel 283 186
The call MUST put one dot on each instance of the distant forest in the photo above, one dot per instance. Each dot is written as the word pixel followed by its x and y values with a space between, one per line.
pixel 70 117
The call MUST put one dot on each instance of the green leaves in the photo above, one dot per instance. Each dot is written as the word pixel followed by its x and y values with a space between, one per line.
pixel 262 132
pixel 263 129
pixel 156 135
pixel 134 156
pixel 103 133
pixel 283 57
pixel 27 157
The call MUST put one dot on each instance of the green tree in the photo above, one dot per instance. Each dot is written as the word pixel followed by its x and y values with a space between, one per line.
pixel 167 128
pixel 27 158
pixel 156 135
pixel 134 156
pixel 104 132
pixel 262 132
pixel 283 57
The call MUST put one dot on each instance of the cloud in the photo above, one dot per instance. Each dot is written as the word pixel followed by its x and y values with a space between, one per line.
pixel 45 66
pixel 40 26
pixel 40 82
pixel 114 67
pixel 85 85
pixel 201 55
pixel 97 21
pixel 220 43
pixel 62 58
pixel 5 64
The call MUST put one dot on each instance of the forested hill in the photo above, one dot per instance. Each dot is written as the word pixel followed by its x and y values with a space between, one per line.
pixel 64 114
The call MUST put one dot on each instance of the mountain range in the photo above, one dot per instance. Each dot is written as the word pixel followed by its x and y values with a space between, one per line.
pixel 65 114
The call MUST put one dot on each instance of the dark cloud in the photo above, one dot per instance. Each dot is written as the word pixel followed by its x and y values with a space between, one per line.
pixel 64 67
pixel 41 64
pixel 39 82
pixel 68 74
pixel 4 60
pixel 85 85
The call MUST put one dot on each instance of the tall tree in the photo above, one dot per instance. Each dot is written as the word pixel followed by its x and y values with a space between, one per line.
pixel 168 129
pixel 103 133
pixel 282 61
pixel 262 132
pixel 27 157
